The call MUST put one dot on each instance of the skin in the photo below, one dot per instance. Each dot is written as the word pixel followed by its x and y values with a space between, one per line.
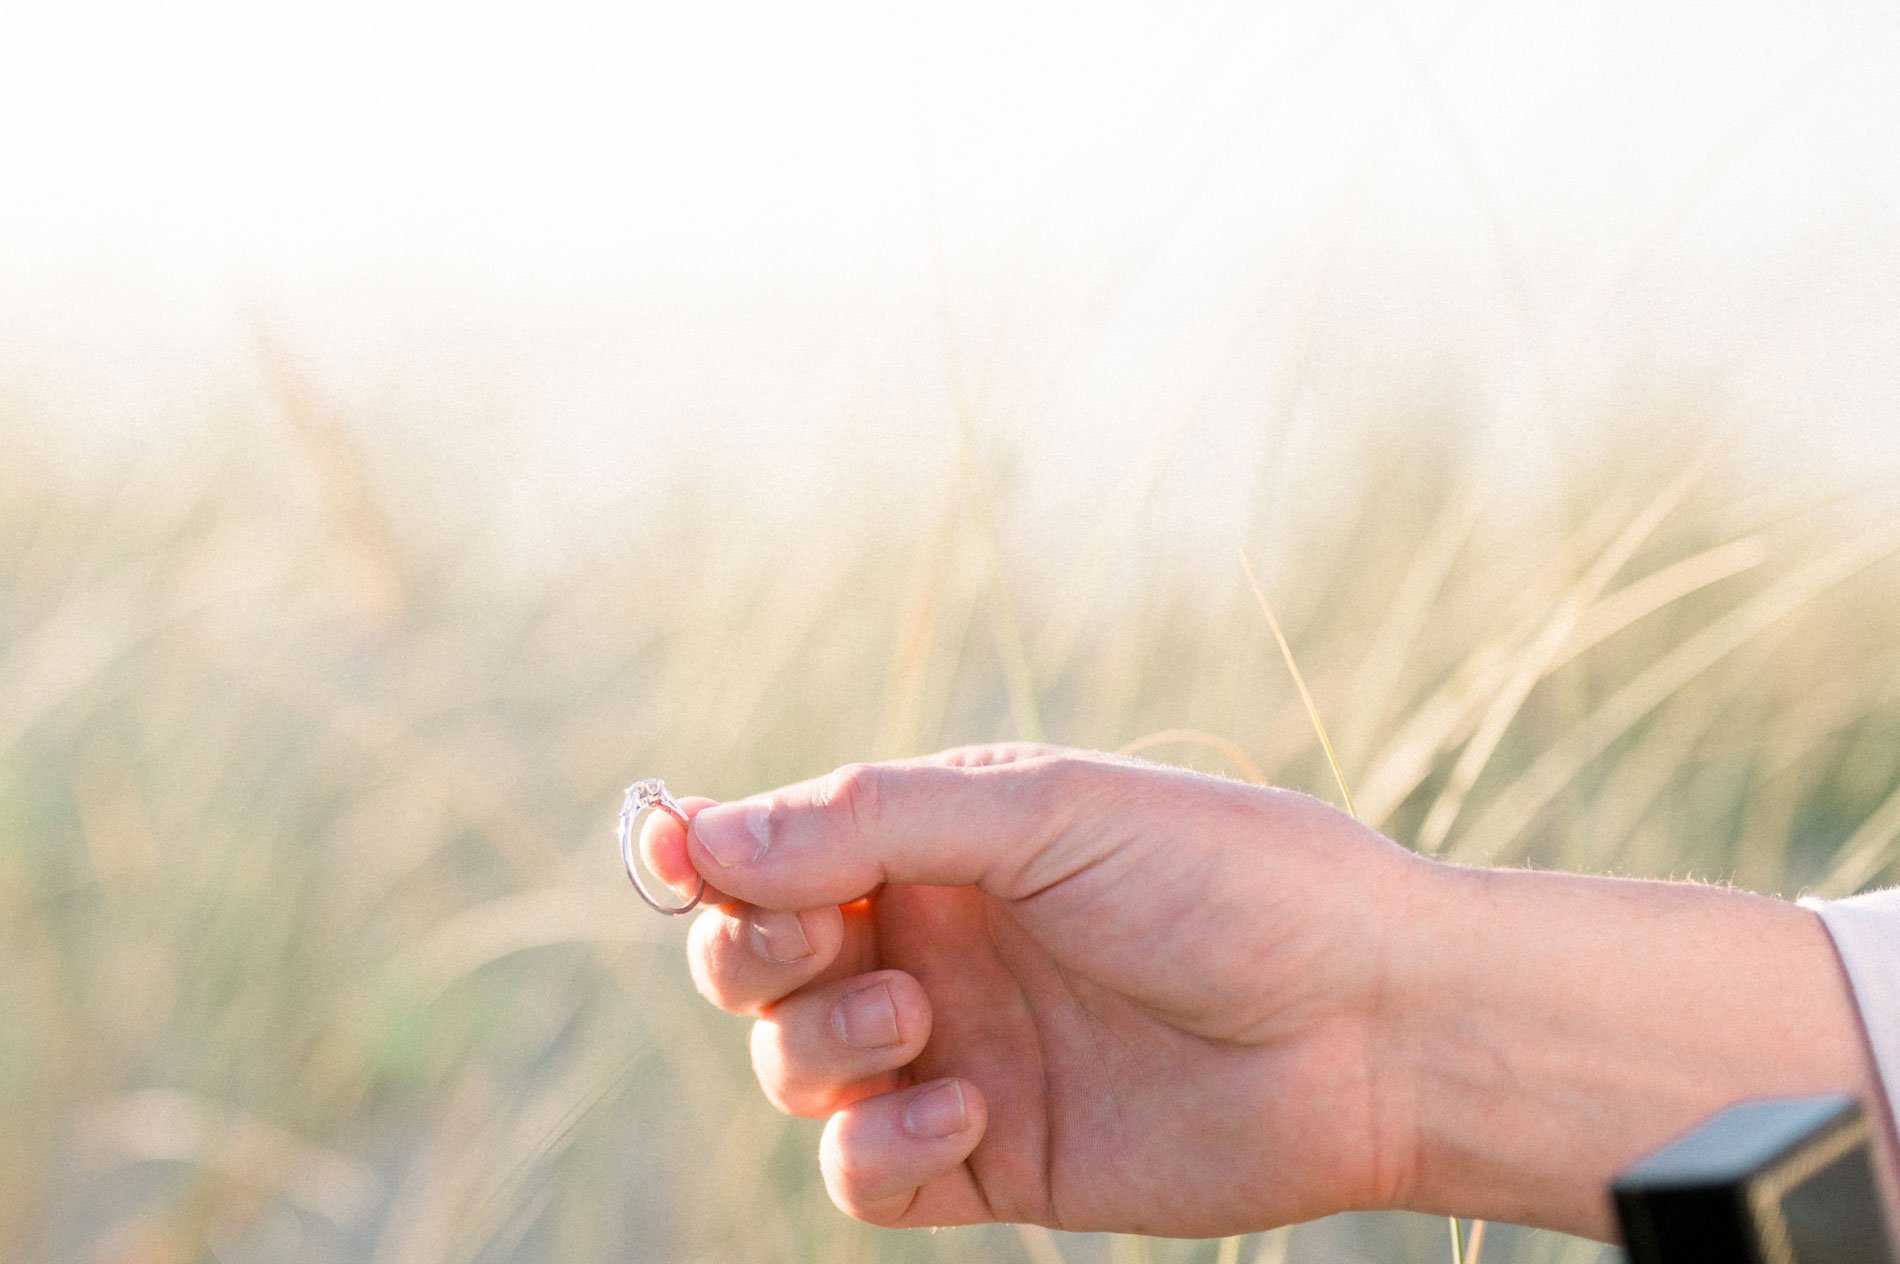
pixel 1087 992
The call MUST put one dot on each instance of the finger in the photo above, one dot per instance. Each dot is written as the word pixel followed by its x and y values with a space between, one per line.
pixel 743 958
pixel 950 824
pixel 898 1159
pixel 663 851
pixel 826 1047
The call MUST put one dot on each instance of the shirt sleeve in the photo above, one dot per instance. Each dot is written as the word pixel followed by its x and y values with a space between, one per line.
pixel 1866 934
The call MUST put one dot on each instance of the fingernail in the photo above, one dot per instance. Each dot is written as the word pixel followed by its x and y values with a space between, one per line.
pixel 778 935
pixel 867 1019
pixel 733 832
pixel 936 1112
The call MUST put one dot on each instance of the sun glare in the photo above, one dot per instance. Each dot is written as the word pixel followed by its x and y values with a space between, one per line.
pixel 751 223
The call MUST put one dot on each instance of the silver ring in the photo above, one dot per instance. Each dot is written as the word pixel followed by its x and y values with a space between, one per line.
pixel 641 795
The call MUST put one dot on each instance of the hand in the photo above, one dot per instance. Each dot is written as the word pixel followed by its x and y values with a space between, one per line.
pixel 1092 993
pixel 1071 989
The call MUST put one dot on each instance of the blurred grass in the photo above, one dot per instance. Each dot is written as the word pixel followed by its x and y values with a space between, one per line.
pixel 315 944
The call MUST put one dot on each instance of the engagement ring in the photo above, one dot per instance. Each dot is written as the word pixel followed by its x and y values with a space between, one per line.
pixel 642 795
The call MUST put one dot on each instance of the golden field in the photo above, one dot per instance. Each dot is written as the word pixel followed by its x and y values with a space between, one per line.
pixel 316 944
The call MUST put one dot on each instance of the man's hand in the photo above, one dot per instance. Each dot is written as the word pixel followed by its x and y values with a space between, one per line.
pixel 1092 993
pixel 1069 989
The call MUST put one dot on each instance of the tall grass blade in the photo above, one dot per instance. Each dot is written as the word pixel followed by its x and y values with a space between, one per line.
pixel 1866 853
pixel 1539 658
pixel 1039 1244
pixel 1474 1247
pixel 1299 682
pixel 1519 806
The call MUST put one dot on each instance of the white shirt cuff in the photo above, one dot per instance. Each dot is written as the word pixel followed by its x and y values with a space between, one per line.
pixel 1866 934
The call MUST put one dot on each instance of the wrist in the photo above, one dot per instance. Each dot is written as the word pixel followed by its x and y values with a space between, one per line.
pixel 1546 1029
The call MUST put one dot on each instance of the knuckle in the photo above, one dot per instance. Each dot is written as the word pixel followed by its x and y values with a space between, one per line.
pixel 1068 771
pixel 991 754
pixel 886 1213
pixel 855 792
pixel 708 957
pixel 1064 800
pixel 1073 786
pixel 783 1100
pixel 848 1177
pixel 854 1178
pixel 789 1078
pixel 1053 788
pixel 853 1191
pixel 768 1067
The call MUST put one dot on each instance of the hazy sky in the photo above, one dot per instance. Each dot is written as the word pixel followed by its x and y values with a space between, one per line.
pixel 546 240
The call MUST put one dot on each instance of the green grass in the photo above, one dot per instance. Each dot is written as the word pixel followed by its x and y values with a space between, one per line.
pixel 315 941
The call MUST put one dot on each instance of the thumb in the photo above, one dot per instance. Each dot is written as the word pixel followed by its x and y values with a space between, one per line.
pixel 1008 828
